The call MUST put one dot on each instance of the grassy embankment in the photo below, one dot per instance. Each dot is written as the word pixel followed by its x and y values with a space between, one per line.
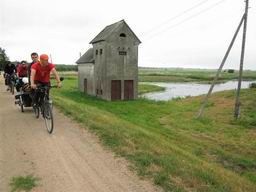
pixel 164 141
pixel 146 88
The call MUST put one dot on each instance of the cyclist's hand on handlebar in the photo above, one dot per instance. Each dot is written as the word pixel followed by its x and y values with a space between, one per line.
pixel 59 84
pixel 33 86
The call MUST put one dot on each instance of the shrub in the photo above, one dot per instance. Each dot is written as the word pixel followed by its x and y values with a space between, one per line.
pixel 252 85
pixel 231 71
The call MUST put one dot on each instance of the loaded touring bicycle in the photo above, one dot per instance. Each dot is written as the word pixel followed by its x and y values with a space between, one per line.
pixel 43 106
pixel 23 97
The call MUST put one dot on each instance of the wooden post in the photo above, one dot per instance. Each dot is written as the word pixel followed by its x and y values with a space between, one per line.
pixel 238 103
pixel 204 102
pixel 51 58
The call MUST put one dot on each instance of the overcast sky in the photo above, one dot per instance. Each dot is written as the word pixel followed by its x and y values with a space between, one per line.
pixel 184 33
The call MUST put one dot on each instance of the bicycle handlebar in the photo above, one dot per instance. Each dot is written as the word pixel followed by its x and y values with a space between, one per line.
pixel 40 86
pixel 46 87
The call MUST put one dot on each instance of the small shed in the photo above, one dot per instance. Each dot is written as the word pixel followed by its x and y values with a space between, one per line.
pixel 109 70
pixel 86 73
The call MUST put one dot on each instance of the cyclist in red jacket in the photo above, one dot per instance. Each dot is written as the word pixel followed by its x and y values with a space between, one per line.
pixel 22 70
pixel 41 71
pixel 40 74
pixel 34 57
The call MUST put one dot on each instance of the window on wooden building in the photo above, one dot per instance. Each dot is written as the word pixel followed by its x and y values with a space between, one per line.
pixel 122 35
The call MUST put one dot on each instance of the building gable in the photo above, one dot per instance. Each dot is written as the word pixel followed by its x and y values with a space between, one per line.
pixel 115 28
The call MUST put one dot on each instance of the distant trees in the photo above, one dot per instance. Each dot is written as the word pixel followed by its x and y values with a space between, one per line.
pixel 61 67
pixel 229 71
pixel 252 85
pixel 3 58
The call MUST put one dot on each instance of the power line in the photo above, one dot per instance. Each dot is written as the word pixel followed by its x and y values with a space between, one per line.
pixel 187 19
pixel 175 17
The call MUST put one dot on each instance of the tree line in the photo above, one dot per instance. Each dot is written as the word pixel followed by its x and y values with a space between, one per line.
pixel 4 59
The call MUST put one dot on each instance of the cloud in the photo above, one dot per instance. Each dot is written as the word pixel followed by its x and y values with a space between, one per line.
pixel 65 28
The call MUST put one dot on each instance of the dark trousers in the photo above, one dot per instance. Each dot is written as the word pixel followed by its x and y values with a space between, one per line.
pixel 7 80
pixel 19 84
pixel 35 95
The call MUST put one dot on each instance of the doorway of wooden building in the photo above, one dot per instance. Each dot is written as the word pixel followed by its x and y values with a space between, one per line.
pixel 85 86
pixel 128 90
pixel 115 90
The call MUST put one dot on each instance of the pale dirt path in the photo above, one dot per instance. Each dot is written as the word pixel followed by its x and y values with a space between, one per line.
pixel 69 160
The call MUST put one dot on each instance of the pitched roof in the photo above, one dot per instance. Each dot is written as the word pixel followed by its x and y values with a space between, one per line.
pixel 87 57
pixel 110 29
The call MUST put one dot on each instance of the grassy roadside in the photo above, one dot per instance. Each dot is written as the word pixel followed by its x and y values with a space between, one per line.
pixel 163 141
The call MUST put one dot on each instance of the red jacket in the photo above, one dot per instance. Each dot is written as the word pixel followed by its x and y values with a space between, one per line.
pixel 22 70
pixel 42 73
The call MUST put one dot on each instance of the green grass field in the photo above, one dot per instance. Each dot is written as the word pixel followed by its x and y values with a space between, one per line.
pixel 189 75
pixel 146 88
pixel 164 141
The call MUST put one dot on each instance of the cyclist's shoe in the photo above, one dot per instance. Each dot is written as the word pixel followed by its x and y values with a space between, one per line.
pixel 8 89
pixel 17 95
pixel 34 105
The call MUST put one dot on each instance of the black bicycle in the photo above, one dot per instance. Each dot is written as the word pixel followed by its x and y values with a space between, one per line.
pixel 44 105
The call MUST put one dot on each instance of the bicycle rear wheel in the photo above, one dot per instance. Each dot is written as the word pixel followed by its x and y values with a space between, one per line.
pixel 48 117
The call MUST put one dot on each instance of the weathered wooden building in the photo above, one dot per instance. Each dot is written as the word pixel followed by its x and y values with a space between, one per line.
pixel 109 70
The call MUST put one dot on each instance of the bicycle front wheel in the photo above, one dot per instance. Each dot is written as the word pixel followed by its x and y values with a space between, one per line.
pixel 48 117
pixel 12 88
pixel 36 111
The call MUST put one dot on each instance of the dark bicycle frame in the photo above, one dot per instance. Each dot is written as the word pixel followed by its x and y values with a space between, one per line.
pixel 42 104
pixel 42 94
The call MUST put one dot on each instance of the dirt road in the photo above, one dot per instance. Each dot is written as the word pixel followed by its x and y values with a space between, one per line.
pixel 69 160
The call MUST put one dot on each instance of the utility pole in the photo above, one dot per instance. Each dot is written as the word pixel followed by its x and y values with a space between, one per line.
pixel 238 103
pixel 220 69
